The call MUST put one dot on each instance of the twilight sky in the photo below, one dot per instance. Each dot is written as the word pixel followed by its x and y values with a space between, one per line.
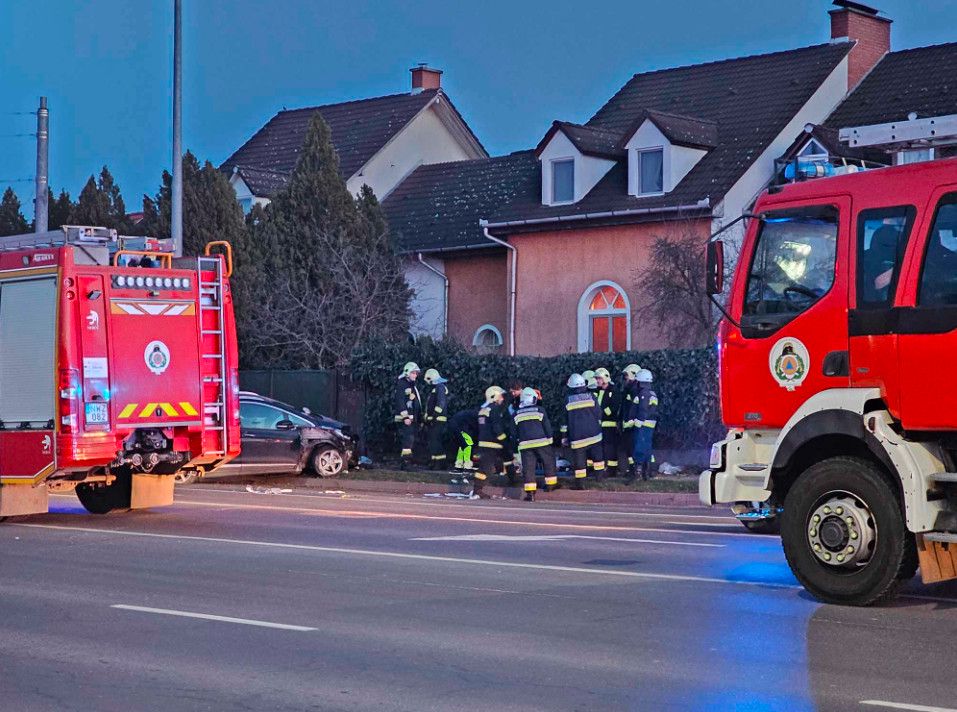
pixel 510 67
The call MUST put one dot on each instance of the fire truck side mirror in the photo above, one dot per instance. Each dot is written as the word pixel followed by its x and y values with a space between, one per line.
pixel 715 275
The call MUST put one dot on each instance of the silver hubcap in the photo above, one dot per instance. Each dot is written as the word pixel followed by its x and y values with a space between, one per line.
pixel 841 531
pixel 330 462
pixel 181 477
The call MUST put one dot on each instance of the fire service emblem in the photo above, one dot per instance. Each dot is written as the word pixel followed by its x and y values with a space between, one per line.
pixel 789 363
pixel 156 356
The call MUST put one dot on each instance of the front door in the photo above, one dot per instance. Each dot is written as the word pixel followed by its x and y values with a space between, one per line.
pixel 269 444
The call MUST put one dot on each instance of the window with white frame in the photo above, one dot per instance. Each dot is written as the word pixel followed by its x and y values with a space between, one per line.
pixel 604 319
pixel 651 178
pixel 487 338
pixel 563 180
pixel 915 155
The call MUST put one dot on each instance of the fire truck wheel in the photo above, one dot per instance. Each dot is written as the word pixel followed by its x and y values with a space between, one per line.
pixel 100 499
pixel 327 462
pixel 843 532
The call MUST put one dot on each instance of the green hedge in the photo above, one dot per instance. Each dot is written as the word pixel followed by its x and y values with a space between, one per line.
pixel 685 381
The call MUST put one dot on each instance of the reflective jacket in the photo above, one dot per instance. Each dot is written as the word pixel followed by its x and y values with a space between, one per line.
pixel 532 427
pixel 582 424
pixel 437 403
pixel 646 407
pixel 492 430
pixel 628 403
pixel 406 402
pixel 609 406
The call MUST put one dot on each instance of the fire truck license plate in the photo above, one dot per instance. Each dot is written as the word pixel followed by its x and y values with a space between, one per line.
pixel 96 413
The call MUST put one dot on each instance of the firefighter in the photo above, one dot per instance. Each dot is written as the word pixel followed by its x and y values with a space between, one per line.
pixel 407 407
pixel 609 407
pixel 534 435
pixel 590 380
pixel 492 435
pixel 436 417
pixel 463 432
pixel 510 451
pixel 646 418
pixel 582 429
pixel 626 437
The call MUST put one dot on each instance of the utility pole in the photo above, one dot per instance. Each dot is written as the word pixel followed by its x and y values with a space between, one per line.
pixel 40 203
pixel 176 222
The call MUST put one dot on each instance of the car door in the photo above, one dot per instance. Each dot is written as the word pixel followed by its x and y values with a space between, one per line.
pixel 271 442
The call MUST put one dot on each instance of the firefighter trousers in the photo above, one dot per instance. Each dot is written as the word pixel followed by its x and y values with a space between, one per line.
pixel 582 455
pixel 406 440
pixel 609 448
pixel 533 455
pixel 643 446
pixel 489 463
pixel 437 442
pixel 463 454
pixel 626 451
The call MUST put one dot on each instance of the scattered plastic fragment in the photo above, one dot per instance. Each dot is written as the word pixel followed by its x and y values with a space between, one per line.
pixel 266 490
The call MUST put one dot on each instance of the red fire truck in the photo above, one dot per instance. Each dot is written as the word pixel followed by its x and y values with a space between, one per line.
pixel 118 369
pixel 840 329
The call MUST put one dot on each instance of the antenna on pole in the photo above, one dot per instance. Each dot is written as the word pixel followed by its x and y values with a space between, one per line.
pixel 40 205
pixel 176 223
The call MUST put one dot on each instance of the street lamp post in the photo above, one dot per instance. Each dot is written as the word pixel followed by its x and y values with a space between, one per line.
pixel 176 222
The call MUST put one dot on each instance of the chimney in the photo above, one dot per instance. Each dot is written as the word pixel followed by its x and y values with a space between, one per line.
pixel 424 77
pixel 872 34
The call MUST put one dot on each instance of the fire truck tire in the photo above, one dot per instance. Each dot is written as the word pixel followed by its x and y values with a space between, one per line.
pixel 100 499
pixel 327 462
pixel 841 505
pixel 185 478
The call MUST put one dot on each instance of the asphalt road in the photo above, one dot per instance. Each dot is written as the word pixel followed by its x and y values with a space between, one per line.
pixel 236 601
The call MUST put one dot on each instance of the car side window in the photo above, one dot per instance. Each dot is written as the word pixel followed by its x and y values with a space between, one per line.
pixel 793 264
pixel 881 241
pixel 938 279
pixel 298 421
pixel 259 416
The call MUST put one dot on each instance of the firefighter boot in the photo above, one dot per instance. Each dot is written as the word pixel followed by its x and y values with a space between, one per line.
pixel 645 466
pixel 529 497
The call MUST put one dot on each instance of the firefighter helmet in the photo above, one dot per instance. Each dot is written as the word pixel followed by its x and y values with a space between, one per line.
pixel 576 380
pixel 644 376
pixel 631 370
pixel 493 392
pixel 432 377
pixel 410 368
pixel 589 377
pixel 602 373
pixel 529 397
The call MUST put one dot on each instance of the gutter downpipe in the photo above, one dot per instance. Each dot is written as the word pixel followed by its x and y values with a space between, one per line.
pixel 513 271
pixel 445 300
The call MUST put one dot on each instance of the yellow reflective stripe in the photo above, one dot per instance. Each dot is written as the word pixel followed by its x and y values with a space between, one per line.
pixel 187 408
pixel 528 416
pixel 169 409
pixel 650 423
pixel 612 463
pixel 598 466
pixel 579 444
pixel 551 480
pixel 580 474
pixel 530 487
pixel 628 424
pixel 150 407
pixel 538 442
pixel 502 436
pixel 484 411
pixel 578 405
pixel 438 457
pixel 653 400
pixel 406 451
pixel 609 424
pixel 437 409
pixel 128 410
pixel 442 419
pixel 493 446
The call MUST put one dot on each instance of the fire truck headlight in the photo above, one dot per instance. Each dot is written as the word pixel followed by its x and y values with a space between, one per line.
pixel 167 282
pixel 149 281
pixel 139 281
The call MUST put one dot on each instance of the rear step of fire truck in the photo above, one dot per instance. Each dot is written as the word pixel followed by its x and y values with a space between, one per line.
pixel 213 327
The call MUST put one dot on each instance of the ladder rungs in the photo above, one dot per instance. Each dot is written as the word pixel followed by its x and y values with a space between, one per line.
pixel 209 332
pixel 212 355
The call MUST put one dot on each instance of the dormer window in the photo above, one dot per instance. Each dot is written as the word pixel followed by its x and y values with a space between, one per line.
pixel 563 180
pixel 651 171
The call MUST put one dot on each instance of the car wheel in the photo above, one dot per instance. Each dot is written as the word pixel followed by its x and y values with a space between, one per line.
pixel 844 534
pixel 98 498
pixel 185 478
pixel 328 462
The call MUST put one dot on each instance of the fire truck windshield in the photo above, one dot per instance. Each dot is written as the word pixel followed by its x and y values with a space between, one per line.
pixel 793 264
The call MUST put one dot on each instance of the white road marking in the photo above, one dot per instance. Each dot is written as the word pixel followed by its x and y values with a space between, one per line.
pixel 209 617
pixel 419 557
pixel 556 537
pixel 905 706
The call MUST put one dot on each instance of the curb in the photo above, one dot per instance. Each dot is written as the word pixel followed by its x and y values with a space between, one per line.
pixel 654 499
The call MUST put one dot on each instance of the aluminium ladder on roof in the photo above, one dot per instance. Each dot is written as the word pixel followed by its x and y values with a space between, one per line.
pixel 927 131
pixel 212 323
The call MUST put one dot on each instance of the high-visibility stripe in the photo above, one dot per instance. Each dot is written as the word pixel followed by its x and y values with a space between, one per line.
pixel 598 466
pixel 502 436
pixel 528 416
pixel 442 419
pixel 406 452
pixel 491 445
pixel 580 474
pixel 612 463
pixel 609 424
pixel 150 407
pixel 128 410
pixel 578 405
pixel 480 476
pixel 653 400
pixel 438 457
pixel 530 487
pixel 579 444
pixel 628 424
pixel 187 408
pixel 437 409
pixel 169 409
pixel 484 411
pixel 538 442
pixel 551 480
pixel 650 423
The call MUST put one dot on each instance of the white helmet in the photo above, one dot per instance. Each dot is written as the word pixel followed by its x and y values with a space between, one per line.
pixel 576 380
pixel 602 373
pixel 411 367
pixel 432 377
pixel 528 397
pixel 644 376
pixel 631 370
pixel 493 392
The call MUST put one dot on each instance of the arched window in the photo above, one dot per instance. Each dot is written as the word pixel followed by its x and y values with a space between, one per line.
pixel 604 319
pixel 487 338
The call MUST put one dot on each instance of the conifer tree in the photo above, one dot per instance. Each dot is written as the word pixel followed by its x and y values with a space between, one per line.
pixel 12 221
pixel 59 210
pixel 101 204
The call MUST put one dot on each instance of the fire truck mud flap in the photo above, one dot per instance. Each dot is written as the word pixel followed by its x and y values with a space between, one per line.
pixel 19 500
pixel 151 491
pixel 938 559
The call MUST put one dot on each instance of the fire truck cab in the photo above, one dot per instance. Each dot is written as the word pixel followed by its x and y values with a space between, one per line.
pixel 835 375
pixel 118 369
